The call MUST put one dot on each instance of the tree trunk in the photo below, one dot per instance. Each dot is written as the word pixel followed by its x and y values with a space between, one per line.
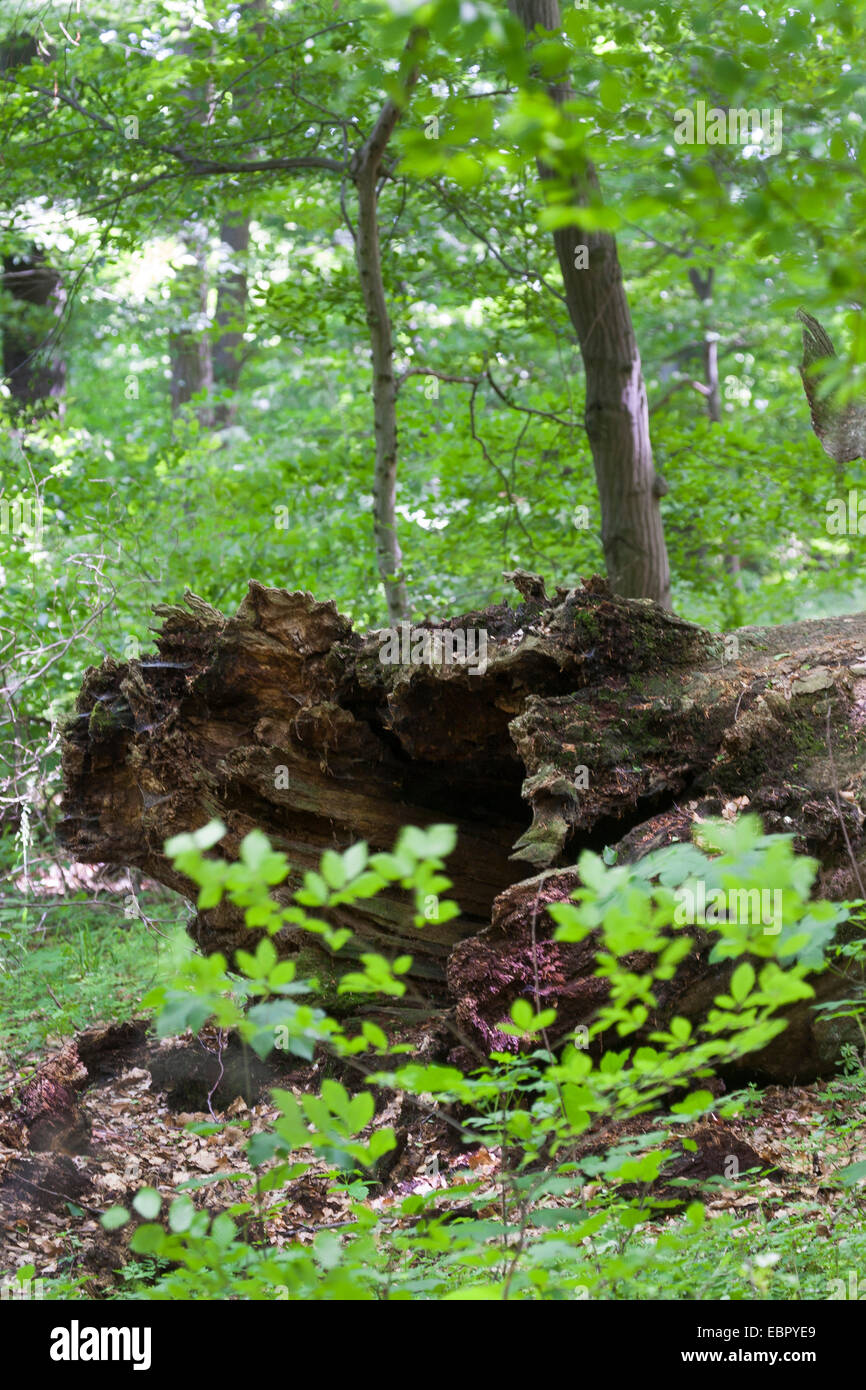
pixel 703 288
pixel 189 340
pixel 366 169
pixel 612 720
pixel 231 301
pixel 711 390
pixel 33 368
pixel 616 414
pixel 840 426
pixel 389 557
pixel 231 313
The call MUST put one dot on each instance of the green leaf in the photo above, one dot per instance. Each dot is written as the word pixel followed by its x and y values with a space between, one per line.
pixel 522 1014
pixel 693 1103
pixel 223 1230
pixel 147 1203
pixel 742 981
pixel 354 860
pixel 201 840
pixel 332 868
pixel 180 1214
pixel 114 1218
pixel 592 870
pixel 441 840
pixel 148 1240
pixel 255 847
pixel 611 92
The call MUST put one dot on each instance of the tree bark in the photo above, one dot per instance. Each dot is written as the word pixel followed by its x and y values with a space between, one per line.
pixel 841 427
pixel 616 412
pixel 703 288
pixel 366 169
pixel 190 349
pixel 711 391
pixel 283 718
pixel 34 369
pixel 189 340
pixel 231 302
pixel 231 312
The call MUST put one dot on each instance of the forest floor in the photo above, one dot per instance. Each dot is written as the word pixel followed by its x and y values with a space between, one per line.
pixel 175 1114
pixel 137 1135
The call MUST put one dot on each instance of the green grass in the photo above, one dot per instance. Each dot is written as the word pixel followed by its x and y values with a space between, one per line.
pixel 83 964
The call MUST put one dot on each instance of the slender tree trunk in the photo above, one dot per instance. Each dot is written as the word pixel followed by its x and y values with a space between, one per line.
pixel 366 167
pixel 712 393
pixel 231 303
pixel 189 340
pixel 190 346
pixel 617 415
pixel 389 556
pixel 231 312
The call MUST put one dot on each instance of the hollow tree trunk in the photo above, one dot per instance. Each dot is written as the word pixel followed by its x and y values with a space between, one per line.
pixel 609 719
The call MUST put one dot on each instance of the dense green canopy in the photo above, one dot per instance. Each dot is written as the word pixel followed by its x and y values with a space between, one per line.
pixel 129 145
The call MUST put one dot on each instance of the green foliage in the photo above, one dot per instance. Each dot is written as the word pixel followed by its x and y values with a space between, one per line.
pixel 65 964
pixel 559 1225
pixel 137 504
pixel 105 167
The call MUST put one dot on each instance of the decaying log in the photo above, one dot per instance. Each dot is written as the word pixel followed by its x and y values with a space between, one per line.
pixel 611 720
pixel 47 1116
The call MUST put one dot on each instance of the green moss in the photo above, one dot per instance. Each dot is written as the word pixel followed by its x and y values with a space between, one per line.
pixel 100 719
pixel 312 963
pixel 587 622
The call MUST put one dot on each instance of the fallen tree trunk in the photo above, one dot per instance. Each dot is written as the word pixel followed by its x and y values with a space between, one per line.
pixel 612 721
